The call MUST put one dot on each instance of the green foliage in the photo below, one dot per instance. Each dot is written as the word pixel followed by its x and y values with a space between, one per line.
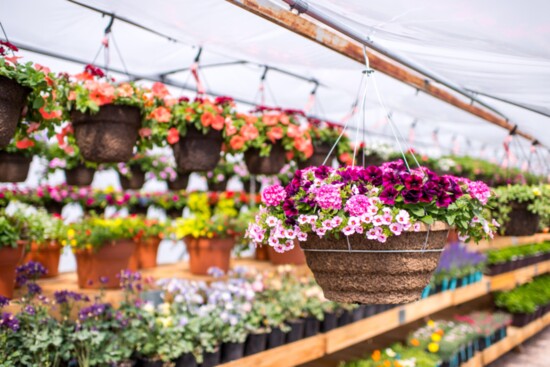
pixel 515 252
pixel 526 298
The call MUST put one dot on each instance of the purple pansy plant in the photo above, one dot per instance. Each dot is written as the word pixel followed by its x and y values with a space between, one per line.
pixel 377 202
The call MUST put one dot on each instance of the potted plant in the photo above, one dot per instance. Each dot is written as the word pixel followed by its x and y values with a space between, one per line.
pixel 11 251
pixel 324 136
pixel 103 248
pixel 148 237
pixel 521 209
pixel 106 117
pixel 346 219
pixel 268 137
pixel 216 180
pixel 209 234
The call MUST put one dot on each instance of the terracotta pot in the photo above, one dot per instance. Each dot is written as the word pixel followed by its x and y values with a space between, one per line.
pixel 320 153
pixel 9 260
pixel 108 261
pixel 12 100
pixel 453 236
pixel 108 136
pixel 180 183
pixel 145 254
pixel 270 165
pixel 522 222
pixel 133 182
pixel 205 253
pixel 376 278
pixel 47 254
pixel 198 152
pixel 262 253
pixel 217 186
pixel 14 167
pixel 295 256
pixel 79 176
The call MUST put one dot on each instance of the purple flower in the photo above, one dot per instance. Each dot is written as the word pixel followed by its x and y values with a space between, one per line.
pixel 429 190
pixel 9 321
pixel 388 195
pixel 65 296
pixel 33 289
pixel 95 310
pixel 390 179
pixel 322 172
pixel 443 200
pixel 412 182
pixel 373 175
pixel 4 301
pixel 31 270
pixel 411 196
pixel 350 174
pixel 289 208
pixel 29 309
pixel 103 280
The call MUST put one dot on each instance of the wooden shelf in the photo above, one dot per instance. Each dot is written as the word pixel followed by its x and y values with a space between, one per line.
pixel 517 277
pixel 502 242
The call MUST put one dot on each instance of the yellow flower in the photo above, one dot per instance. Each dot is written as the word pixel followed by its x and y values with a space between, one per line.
pixel 73 243
pixel 431 323
pixel 70 233
pixel 64 243
pixel 433 347
pixel 536 191
pixel 436 337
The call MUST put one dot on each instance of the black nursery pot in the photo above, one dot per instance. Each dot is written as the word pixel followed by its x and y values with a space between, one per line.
pixel 521 319
pixel 311 326
pixel 330 322
pixel 370 310
pixel 149 363
pixel 345 318
pixel 231 352
pixel 358 313
pixel 275 338
pixel 255 343
pixel 135 181
pixel 211 359
pixel 296 331
pixel 186 360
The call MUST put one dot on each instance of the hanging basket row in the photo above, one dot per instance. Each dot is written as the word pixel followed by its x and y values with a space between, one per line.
pixel 12 100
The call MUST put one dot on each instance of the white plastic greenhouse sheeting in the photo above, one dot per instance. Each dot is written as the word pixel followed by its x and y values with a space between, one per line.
pixel 494 47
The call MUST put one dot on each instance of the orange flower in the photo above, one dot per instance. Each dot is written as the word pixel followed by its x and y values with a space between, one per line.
pixel 270 119
pixel 100 93
pixel 249 119
pixel 33 126
pixel 125 90
pixel 218 122
pixel 414 342
pixel 161 114
pixel 230 128
pixel 24 143
pixel 397 364
pixel 49 115
pixel 145 132
pixel 285 120
pixel 387 363
pixel 346 158
pixel 72 95
pixel 376 355
pixel 159 90
pixel 207 119
pixel 275 133
pixel 173 136
pixel 237 142
pixel 84 76
pixel 293 131
pixel 249 132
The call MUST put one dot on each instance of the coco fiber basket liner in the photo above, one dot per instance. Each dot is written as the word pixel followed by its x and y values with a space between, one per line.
pixel 108 136
pixel 198 152
pixel 319 155
pixel 12 100
pixel 79 176
pixel 14 167
pixel 376 277
pixel 270 165
pixel 522 222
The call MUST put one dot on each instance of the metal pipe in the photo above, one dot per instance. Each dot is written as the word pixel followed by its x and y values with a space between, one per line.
pixel 507 101
pixel 317 13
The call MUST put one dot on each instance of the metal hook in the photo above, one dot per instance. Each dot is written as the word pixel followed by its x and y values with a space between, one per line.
pixel 110 25
pixel 198 57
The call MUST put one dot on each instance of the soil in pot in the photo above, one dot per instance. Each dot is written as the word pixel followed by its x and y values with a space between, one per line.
pixel 99 269
pixel 180 183
pixel 12 100
pixel 217 186
pixel 275 338
pixel 186 360
pixel 205 253
pixel 145 254
pixel 211 359
pixel 376 278
pixel 14 167
pixel 522 222
pixel 9 259
pixel 231 352
pixel 47 254
pixel 311 326
pixel 295 256
pixel 255 343
pixel 296 331
pixel 320 153
pixel 329 322
pixel 79 176
pixel 270 165
pixel 261 253
pixel 133 182
pixel 198 152
pixel 108 136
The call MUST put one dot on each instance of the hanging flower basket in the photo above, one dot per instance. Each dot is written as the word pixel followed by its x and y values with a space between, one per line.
pixel 205 253
pixel 47 254
pixel 522 222
pixel 14 167
pixel 79 176
pixel 12 100
pixel 99 268
pixel 320 153
pixel 180 183
pixel 270 165
pixel 134 181
pixel 217 186
pixel 108 136
pixel 198 152
pixel 54 207
pixel 9 260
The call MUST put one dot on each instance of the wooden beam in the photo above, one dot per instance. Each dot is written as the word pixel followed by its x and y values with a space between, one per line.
pixel 352 49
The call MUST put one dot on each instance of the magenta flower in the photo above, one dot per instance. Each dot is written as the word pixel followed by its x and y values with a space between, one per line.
pixel 357 205
pixel 273 195
pixel 328 197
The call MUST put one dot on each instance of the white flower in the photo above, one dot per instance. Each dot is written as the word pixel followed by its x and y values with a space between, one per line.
pixel 382 238
pixel 272 221
pixel 390 352
pixel 348 230
pixel 371 234
pixel 416 227
pixel 336 221
pixel 378 220
pixel 402 217
pixel 302 236
pixel 396 228
pixel 149 308
pixel 366 218
pixel 290 234
pixel 302 219
pixel 354 221
pixel 320 232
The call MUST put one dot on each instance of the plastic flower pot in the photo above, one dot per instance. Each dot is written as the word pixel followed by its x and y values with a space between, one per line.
pixel 198 152
pixel 211 359
pixel 255 343
pixel 180 183
pixel 261 253
pixel 296 331
pixel 47 254
pixel 522 222
pixel 186 360
pixel 358 313
pixel 275 338
pixel 108 136
pixel 370 310
pixel 79 176
pixel 295 256
pixel 217 186
pixel 521 319
pixel 231 352
pixel 329 322
pixel 14 167
pixel 12 100
pixel 10 258
pixel 99 268
pixel 54 207
pixel 320 153
pixel 133 182
pixel 311 326
pixel 145 254
pixel 205 253
pixel 344 318
pixel 270 165
pixel 376 278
